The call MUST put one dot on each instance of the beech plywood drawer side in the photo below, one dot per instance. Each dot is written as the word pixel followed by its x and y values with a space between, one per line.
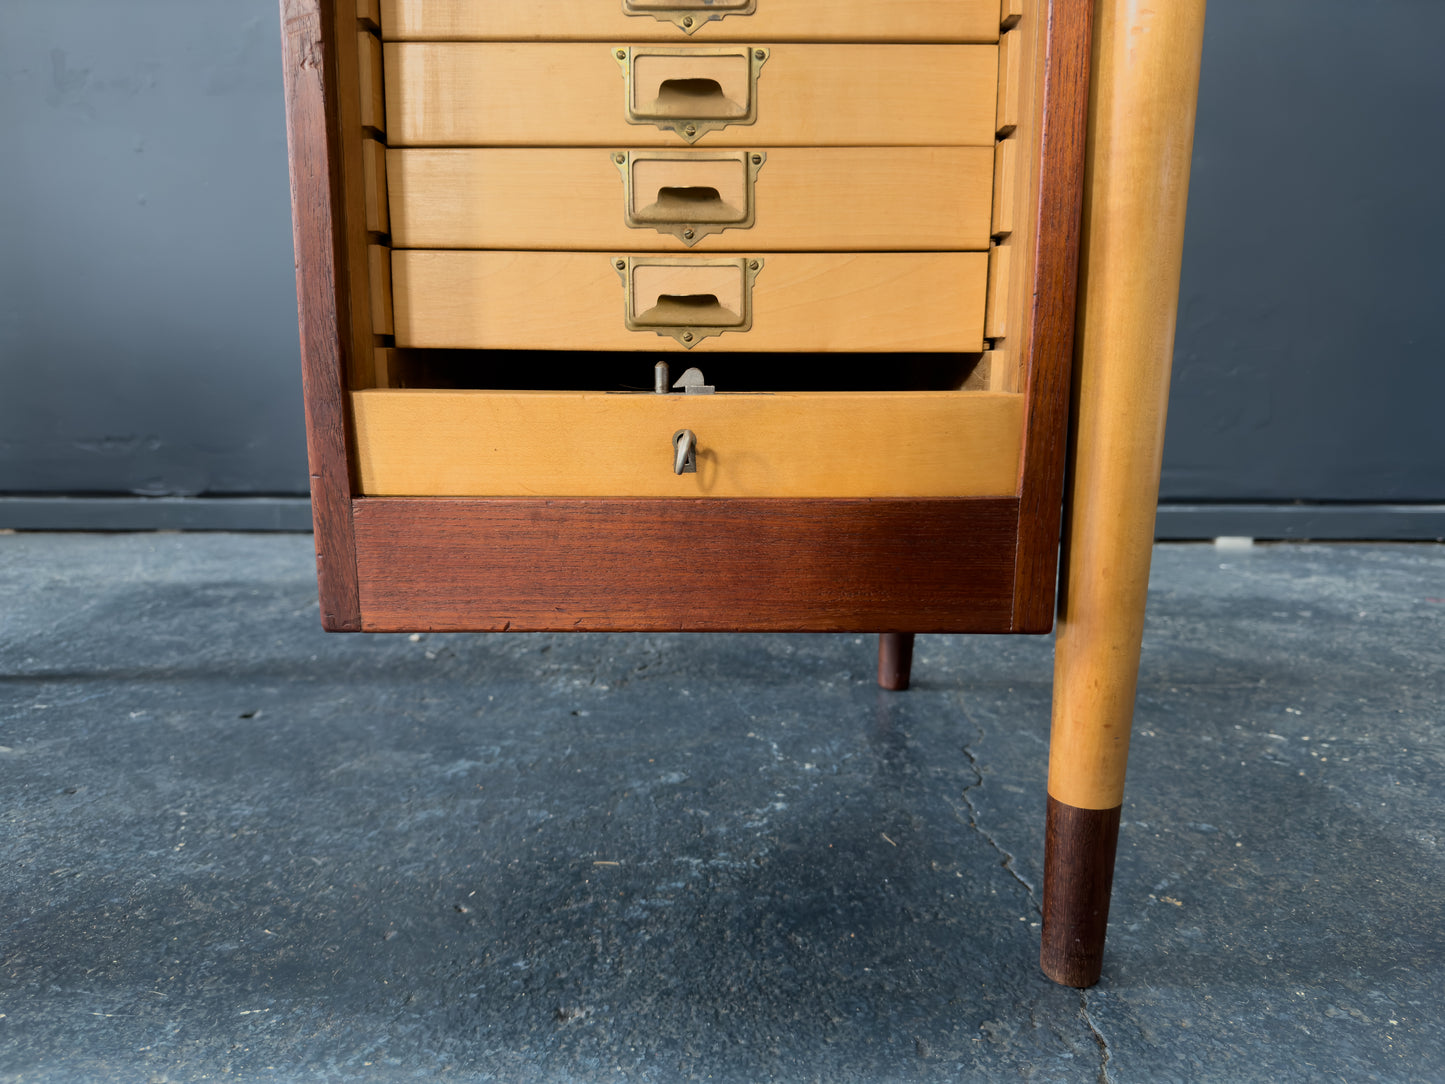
pixel 787 287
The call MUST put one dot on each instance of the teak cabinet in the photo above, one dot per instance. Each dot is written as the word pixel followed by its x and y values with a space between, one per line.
pixel 862 222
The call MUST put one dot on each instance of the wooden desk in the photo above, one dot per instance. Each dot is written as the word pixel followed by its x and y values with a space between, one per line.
pixel 863 221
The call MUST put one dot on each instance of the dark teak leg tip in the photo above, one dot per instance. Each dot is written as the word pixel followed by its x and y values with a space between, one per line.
pixel 1079 847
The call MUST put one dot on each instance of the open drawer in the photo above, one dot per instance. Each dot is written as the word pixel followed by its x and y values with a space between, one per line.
pixel 471 443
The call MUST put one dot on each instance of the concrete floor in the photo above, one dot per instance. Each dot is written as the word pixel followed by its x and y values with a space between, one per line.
pixel 236 848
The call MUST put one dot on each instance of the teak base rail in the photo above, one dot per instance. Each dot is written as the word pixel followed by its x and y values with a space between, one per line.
pixel 937 504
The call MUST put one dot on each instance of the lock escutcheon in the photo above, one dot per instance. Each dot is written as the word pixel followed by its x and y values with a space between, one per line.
pixel 684 446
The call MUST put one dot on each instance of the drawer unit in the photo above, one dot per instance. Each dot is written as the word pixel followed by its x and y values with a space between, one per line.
pixel 816 210
pixel 804 196
pixel 855 225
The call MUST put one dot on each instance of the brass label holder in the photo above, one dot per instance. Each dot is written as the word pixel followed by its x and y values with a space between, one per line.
pixel 689 15
pixel 689 298
pixel 690 90
pixel 689 194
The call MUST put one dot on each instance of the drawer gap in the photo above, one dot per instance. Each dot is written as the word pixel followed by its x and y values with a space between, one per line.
pixel 546 370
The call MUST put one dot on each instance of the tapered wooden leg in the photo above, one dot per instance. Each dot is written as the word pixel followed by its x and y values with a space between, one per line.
pixel 1144 84
pixel 895 659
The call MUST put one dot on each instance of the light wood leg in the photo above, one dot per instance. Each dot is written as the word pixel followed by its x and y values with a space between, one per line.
pixel 895 660
pixel 1142 102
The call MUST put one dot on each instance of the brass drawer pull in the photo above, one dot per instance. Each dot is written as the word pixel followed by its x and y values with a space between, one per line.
pixel 689 15
pixel 689 194
pixel 690 91
pixel 687 297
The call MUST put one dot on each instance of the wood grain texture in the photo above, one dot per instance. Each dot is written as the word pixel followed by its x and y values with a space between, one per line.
pixel 1046 257
pixel 1079 847
pixel 814 199
pixel 1010 12
pixel 308 38
pixel 521 94
pixel 369 12
pixel 774 20
pixel 1146 86
pixel 787 444
pixel 677 565
pixel 895 660
pixel 802 301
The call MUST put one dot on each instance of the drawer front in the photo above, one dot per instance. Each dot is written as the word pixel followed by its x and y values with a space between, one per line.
pixel 817 444
pixel 771 20
pixel 800 301
pixel 802 199
pixel 520 94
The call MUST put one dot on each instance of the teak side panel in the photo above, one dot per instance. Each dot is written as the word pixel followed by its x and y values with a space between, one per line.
pixel 802 301
pixel 774 20
pixel 520 94
pixel 806 198
pixel 678 565
pixel 585 444
pixel 324 265
pixel 1046 259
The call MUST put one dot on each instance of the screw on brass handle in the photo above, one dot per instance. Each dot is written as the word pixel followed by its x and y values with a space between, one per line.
pixel 684 443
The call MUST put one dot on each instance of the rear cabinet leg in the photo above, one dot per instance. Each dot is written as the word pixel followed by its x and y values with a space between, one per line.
pixel 895 660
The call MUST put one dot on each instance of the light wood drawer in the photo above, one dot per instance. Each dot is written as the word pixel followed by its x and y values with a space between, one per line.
pixel 583 444
pixel 803 199
pixel 773 20
pixel 801 301
pixel 520 94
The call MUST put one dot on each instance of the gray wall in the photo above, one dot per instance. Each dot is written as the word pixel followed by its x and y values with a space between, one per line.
pixel 147 319
pixel 147 295
pixel 1310 360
